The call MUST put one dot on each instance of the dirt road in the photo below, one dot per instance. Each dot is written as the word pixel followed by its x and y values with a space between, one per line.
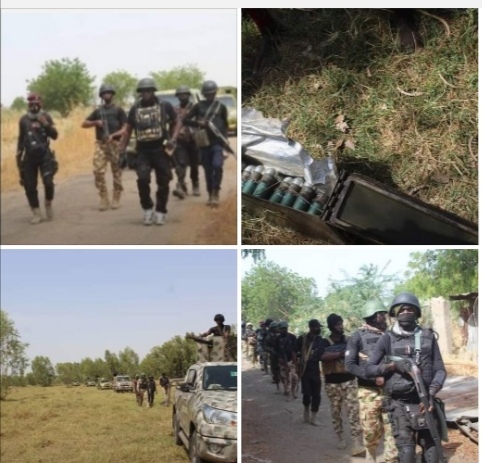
pixel 273 432
pixel 78 221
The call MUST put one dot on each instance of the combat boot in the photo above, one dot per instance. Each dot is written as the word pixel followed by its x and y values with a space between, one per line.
pixel 184 187
pixel 313 419
pixel 104 201
pixel 215 199
pixel 371 456
pixel 357 447
pixel 37 216
pixel 341 442
pixel 116 200
pixel 178 192
pixel 210 202
pixel 306 415
pixel 49 212
pixel 195 189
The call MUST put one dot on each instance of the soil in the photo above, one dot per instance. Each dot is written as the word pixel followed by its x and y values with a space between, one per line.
pixel 78 221
pixel 273 431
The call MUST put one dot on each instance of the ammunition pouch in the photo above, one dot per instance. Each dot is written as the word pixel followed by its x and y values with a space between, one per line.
pixel 201 138
pixel 416 418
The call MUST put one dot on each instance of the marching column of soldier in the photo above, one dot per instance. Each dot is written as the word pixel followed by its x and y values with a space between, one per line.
pixel 166 138
pixel 387 378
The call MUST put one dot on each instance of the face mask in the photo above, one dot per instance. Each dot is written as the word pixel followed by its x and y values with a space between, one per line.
pixel 407 320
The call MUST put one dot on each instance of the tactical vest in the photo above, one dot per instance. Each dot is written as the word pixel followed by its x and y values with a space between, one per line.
pixel 36 140
pixel 368 340
pixel 186 133
pixel 404 347
pixel 150 122
pixel 334 366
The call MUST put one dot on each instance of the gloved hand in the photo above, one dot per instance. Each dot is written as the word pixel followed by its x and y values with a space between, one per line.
pixel 403 366
pixel 122 160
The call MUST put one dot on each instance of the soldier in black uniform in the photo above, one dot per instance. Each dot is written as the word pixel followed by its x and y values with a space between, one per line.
pixel 150 118
pixel 374 419
pixel 34 156
pixel 287 360
pixel 405 341
pixel 271 348
pixel 309 349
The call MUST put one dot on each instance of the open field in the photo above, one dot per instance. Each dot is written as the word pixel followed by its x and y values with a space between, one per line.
pixel 412 119
pixel 84 425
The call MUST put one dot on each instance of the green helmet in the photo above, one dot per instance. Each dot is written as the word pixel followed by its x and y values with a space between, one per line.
pixel 405 299
pixel 209 86
pixel 372 307
pixel 104 88
pixel 283 324
pixel 183 89
pixel 146 84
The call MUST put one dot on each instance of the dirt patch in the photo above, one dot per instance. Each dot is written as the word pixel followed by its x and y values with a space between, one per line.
pixel 77 220
pixel 273 432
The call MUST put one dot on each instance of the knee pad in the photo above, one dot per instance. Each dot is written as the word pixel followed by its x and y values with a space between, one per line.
pixel 406 453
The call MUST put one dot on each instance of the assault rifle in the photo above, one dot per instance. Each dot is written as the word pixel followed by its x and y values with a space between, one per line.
pixel 217 133
pixel 105 126
pixel 422 394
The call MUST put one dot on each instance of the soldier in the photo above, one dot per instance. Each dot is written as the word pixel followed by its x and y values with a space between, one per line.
pixel 373 415
pixel 109 121
pixel 149 118
pixel 34 155
pixel 271 347
pixel 166 385
pixel 142 389
pixel 210 145
pixel 186 152
pixel 135 384
pixel 220 329
pixel 404 343
pixel 261 333
pixel 309 349
pixel 340 386
pixel 250 336
pixel 287 360
pixel 151 391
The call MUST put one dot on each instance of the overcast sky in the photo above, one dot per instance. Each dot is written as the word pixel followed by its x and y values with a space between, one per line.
pixel 138 41
pixel 71 304
pixel 328 262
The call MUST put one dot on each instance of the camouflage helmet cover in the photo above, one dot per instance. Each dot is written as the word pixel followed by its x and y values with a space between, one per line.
pixel 372 307
pixel 147 83
pixel 106 88
pixel 183 89
pixel 209 86
pixel 405 299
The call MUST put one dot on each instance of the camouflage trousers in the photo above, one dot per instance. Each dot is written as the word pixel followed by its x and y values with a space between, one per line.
pixel 375 422
pixel 344 392
pixel 252 354
pixel 105 153
pixel 289 378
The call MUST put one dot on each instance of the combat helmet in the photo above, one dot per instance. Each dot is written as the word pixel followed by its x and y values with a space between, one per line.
pixel 372 307
pixel 273 325
pixel 249 324
pixel 105 88
pixel 34 98
pixel 405 299
pixel 183 89
pixel 219 317
pixel 283 324
pixel 147 83
pixel 209 86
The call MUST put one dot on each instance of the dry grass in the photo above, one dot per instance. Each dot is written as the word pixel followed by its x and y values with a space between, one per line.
pixel 345 62
pixel 74 148
pixel 84 425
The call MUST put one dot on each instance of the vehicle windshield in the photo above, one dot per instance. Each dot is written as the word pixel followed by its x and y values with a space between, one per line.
pixel 122 378
pixel 227 100
pixel 171 98
pixel 221 377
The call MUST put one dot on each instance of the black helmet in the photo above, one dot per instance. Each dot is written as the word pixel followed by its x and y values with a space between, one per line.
pixel 183 89
pixel 209 86
pixel 146 84
pixel 104 88
pixel 405 299
pixel 219 317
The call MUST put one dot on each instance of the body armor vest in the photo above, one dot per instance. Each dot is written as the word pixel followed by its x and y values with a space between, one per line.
pixel 403 347
pixel 368 339
pixel 150 122
pixel 36 140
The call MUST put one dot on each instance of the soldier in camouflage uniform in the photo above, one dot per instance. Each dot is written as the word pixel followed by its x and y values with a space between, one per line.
pixel 374 419
pixel 340 386
pixel 109 121
pixel 287 360
pixel 250 336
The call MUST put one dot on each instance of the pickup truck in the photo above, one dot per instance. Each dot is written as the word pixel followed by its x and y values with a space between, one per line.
pixel 122 383
pixel 204 415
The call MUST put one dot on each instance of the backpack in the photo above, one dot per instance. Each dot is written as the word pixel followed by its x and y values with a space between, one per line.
pixel 150 122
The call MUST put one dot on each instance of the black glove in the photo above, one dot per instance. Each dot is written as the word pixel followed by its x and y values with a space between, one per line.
pixel 122 160
pixel 403 366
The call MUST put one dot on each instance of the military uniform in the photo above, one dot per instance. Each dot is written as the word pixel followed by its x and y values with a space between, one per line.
pixel 288 375
pixel 271 347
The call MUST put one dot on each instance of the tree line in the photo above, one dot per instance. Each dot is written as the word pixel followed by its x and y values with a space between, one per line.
pixel 270 290
pixel 67 83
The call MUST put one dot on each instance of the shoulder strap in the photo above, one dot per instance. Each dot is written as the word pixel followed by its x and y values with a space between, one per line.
pixel 214 108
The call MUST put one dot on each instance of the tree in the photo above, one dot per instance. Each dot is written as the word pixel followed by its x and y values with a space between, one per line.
pixel 19 104
pixel 69 372
pixel 189 75
pixel 63 85
pixel 124 85
pixel 112 362
pixel 441 272
pixel 173 358
pixel 257 254
pixel 13 359
pixel 269 290
pixel 43 371
pixel 128 362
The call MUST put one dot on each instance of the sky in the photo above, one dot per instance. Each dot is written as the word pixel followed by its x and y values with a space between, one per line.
pixel 107 40
pixel 328 262
pixel 72 304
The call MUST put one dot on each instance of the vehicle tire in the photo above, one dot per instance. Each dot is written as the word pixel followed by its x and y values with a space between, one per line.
pixel 175 430
pixel 193 457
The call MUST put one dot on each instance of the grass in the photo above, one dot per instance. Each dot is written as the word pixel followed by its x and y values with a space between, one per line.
pixel 412 117
pixel 84 425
